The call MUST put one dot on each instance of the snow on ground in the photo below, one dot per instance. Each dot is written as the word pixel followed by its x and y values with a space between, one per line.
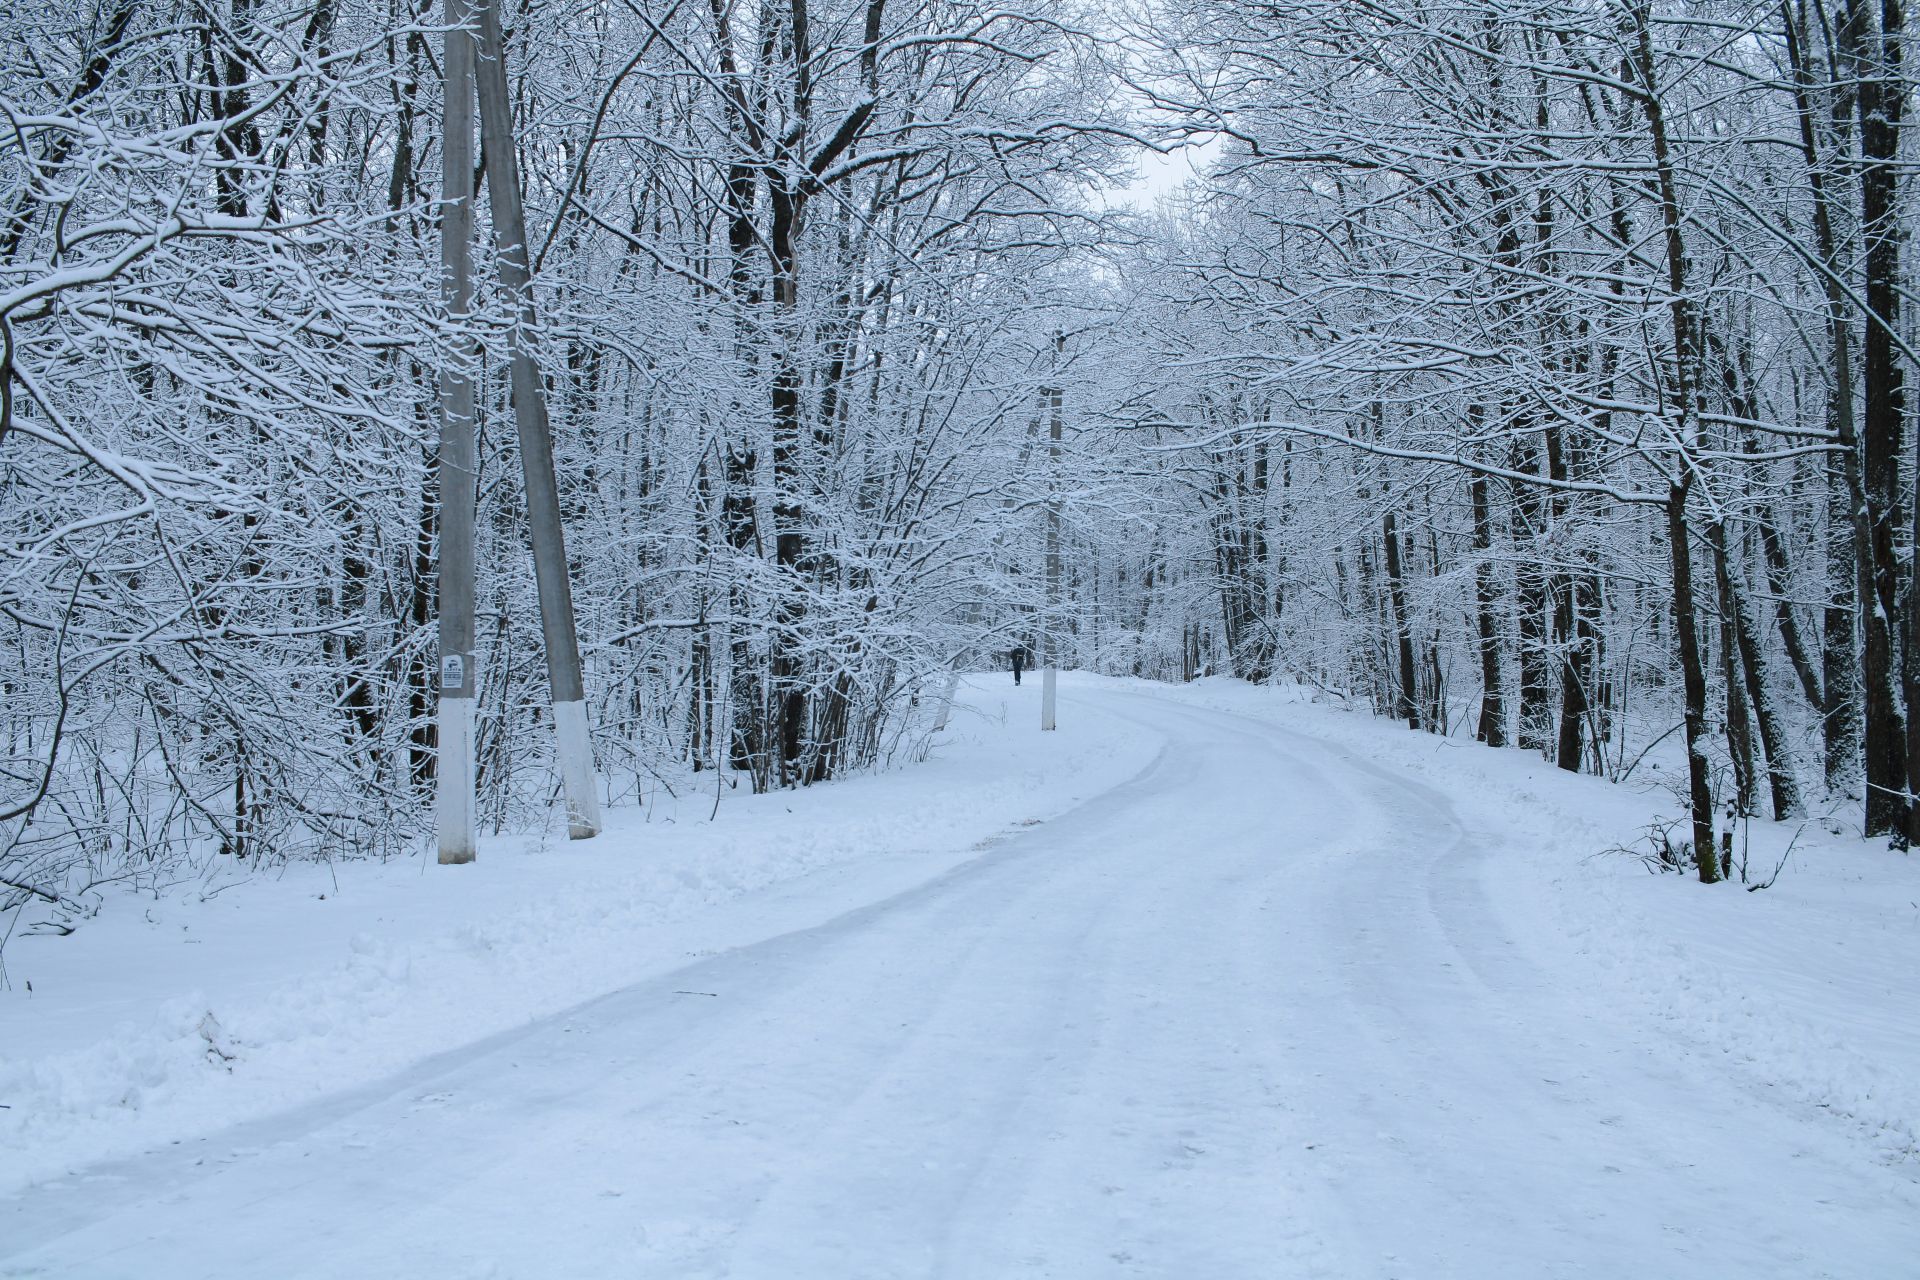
pixel 1214 983
pixel 1806 986
pixel 171 1014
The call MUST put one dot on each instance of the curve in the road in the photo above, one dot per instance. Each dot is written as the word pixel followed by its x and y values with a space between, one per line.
pixel 1250 1015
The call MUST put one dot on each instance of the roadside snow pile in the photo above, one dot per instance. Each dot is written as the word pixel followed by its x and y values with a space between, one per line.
pixel 172 1015
pixel 1805 988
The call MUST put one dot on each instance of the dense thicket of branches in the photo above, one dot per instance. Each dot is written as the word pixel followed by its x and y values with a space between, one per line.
pixel 1552 355
pixel 794 269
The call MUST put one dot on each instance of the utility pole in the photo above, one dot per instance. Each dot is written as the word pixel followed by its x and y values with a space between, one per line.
pixel 574 748
pixel 453 774
pixel 1049 678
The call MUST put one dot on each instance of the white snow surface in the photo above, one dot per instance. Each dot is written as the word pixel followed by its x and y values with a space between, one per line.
pixel 319 979
pixel 1212 982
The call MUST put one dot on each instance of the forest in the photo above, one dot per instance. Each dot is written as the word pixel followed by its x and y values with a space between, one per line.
pixel 422 419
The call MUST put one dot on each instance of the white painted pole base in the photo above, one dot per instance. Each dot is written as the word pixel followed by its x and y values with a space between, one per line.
pixel 946 700
pixel 574 751
pixel 1047 680
pixel 453 781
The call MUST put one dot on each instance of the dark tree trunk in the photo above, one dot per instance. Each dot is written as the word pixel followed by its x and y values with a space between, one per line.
pixel 1574 636
pixel 1840 728
pixel 420 672
pixel 1492 728
pixel 1739 717
pixel 1569 637
pixel 789 543
pixel 1848 589
pixel 1407 705
pixel 1535 712
pixel 1694 679
pixel 1687 382
pixel 1872 36
pixel 1780 583
pixel 1782 786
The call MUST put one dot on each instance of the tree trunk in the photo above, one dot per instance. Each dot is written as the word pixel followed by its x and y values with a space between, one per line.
pixel 1492 728
pixel 1687 381
pixel 789 538
pixel 1782 785
pixel 1049 632
pixel 1572 632
pixel 1848 581
pixel 1780 583
pixel 1694 680
pixel 1407 703
pixel 1872 33
pixel 1739 711
pixel 1535 713
pixel 1568 631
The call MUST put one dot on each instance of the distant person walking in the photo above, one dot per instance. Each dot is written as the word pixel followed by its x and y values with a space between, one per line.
pixel 1019 661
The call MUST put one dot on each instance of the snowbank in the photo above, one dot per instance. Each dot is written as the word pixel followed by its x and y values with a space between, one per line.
pixel 177 1013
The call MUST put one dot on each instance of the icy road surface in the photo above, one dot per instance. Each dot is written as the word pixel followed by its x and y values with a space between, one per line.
pixel 1250 1015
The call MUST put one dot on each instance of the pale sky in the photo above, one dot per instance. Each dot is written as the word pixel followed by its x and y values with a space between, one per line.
pixel 1161 175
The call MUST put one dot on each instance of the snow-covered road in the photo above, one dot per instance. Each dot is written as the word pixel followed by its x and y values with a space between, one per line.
pixel 1252 1014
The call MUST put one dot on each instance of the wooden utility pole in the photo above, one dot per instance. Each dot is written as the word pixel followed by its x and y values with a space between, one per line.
pixel 453 775
pixel 1049 677
pixel 574 748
